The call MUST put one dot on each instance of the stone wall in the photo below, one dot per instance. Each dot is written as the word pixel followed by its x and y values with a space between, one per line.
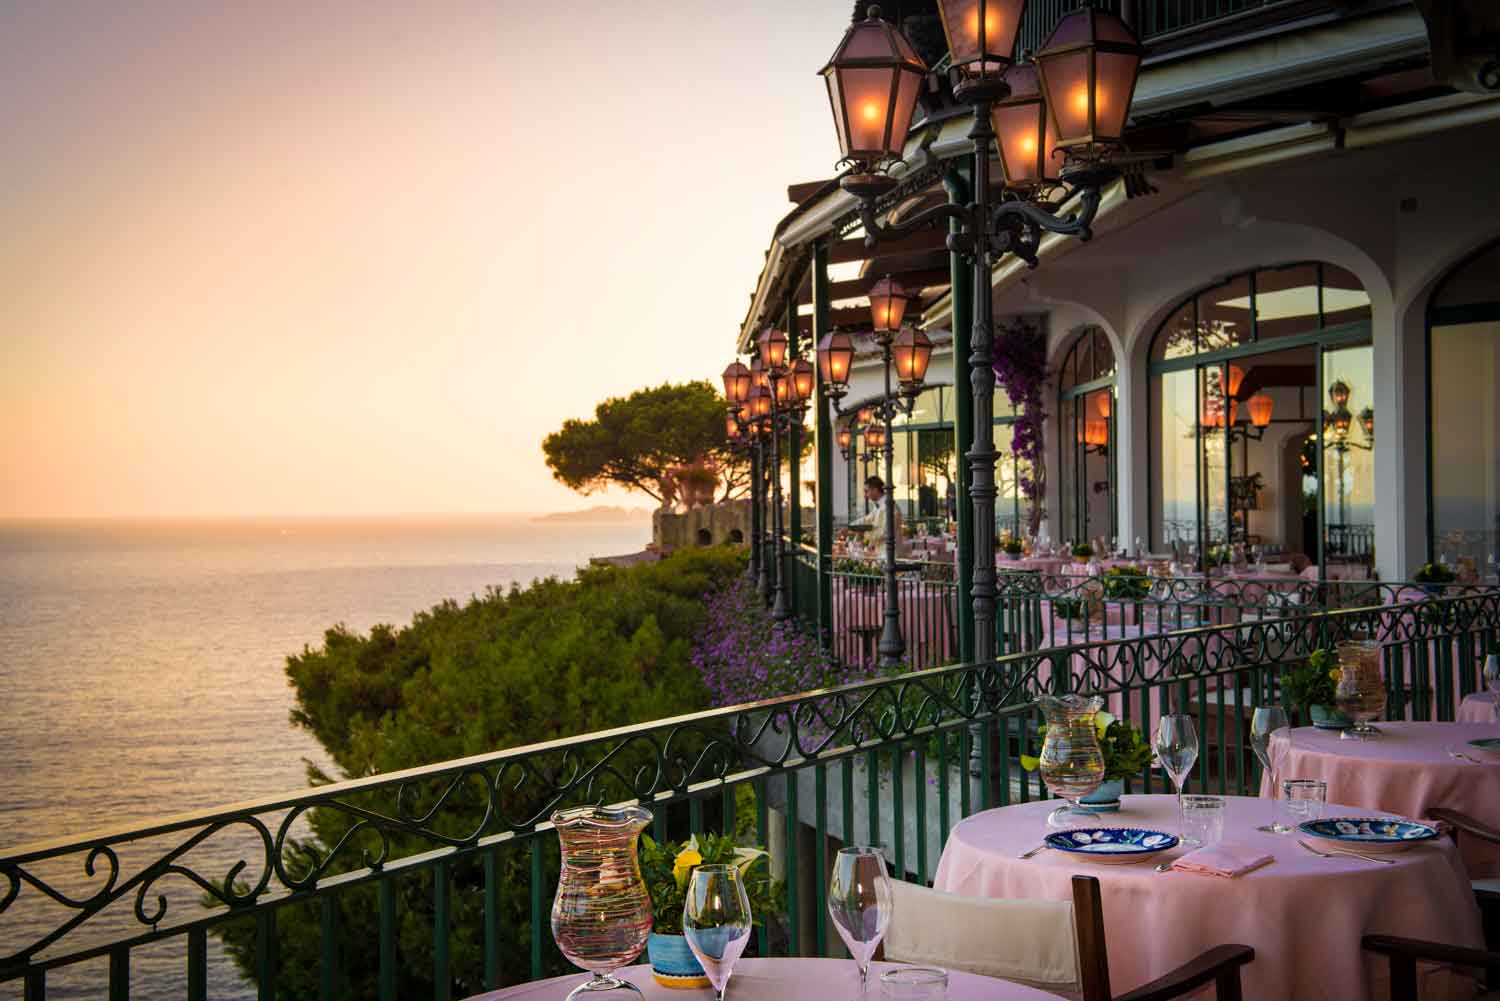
pixel 711 525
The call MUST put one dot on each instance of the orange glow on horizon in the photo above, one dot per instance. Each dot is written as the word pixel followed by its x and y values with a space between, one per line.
pixel 319 259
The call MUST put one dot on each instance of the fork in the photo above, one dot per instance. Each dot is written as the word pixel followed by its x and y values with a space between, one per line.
pixel 1337 853
pixel 1464 757
pixel 1038 848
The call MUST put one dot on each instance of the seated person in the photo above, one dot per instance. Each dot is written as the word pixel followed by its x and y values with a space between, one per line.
pixel 875 493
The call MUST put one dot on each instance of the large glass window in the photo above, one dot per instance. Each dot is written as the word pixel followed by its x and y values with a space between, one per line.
pixel 1464 325
pixel 1260 439
pixel 1085 415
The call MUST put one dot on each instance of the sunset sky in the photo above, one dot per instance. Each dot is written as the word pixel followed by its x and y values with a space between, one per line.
pixel 340 257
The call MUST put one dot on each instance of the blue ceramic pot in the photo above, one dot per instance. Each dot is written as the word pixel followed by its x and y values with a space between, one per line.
pixel 673 963
pixel 1328 719
pixel 1106 798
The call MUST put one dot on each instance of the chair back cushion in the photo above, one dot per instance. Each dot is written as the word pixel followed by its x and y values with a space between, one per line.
pixel 1033 942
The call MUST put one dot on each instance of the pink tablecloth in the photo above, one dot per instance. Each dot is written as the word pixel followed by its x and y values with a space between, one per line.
pixel 1304 915
pixel 778 980
pixel 1407 771
pixel 1480 707
pixel 927 617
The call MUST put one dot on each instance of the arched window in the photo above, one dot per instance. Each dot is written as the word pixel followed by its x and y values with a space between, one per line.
pixel 1463 329
pixel 1086 421
pixel 1262 417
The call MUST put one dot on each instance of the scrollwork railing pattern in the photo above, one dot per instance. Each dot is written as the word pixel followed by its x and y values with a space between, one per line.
pixel 387 823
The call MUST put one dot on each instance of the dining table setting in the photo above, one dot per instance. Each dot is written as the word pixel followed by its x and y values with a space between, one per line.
pixel 1302 873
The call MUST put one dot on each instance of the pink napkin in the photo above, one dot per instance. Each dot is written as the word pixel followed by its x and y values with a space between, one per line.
pixel 1223 859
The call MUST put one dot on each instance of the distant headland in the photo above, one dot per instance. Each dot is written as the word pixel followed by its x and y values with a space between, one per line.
pixel 598 513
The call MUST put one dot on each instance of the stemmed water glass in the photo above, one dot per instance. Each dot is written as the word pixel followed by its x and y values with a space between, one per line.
pixel 1265 722
pixel 860 903
pixel 716 921
pixel 1177 750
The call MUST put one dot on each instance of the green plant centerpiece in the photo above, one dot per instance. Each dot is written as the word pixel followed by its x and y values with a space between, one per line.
pixel 1435 574
pixel 1126 583
pixel 1013 548
pixel 1126 755
pixel 667 867
pixel 1309 690
pixel 1083 552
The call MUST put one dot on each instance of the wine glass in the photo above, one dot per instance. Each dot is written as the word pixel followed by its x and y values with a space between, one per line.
pixel 1492 672
pixel 1177 750
pixel 860 902
pixel 1265 722
pixel 716 921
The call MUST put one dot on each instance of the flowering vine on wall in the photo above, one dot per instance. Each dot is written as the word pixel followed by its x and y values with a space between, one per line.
pixel 1021 370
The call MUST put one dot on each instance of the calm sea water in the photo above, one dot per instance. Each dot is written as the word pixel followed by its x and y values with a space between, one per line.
pixel 141 673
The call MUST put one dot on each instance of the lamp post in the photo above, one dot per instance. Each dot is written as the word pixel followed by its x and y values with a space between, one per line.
pixel 737 381
pixel 1087 73
pixel 910 351
pixel 1337 424
pixel 791 385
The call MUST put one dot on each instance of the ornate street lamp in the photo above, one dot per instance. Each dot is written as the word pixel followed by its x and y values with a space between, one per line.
pixel 873 79
pixel 1338 393
pixel 911 351
pixel 1367 422
pixel 1024 131
pixel 1088 48
pixel 772 347
pixel 888 301
pixel 1088 67
pixel 845 439
pixel 736 382
pixel 835 358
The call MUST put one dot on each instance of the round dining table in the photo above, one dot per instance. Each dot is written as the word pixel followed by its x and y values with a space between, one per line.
pixel 1303 914
pixel 778 980
pixel 1407 770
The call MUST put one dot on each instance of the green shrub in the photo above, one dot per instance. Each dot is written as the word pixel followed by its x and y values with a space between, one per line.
pixel 556 659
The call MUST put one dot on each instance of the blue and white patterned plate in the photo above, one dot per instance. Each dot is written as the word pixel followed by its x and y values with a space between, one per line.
pixel 1111 845
pixel 1489 745
pixel 1372 834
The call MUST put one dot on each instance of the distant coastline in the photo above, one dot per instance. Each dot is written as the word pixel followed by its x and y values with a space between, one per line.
pixel 597 514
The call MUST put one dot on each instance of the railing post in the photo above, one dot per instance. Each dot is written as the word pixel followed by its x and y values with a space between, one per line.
pixel 823 440
pixel 793 444
pixel 956 181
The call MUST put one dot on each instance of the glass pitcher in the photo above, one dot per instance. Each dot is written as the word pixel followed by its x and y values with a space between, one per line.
pixel 1360 693
pixel 601 916
pixel 1071 762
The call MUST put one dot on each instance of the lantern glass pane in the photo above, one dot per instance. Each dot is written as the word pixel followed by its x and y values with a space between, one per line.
pixel 907 90
pixel 1066 78
pixel 988 45
pixel 867 41
pixel 1020 134
pixel 1114 85
pixel 840 119
pixel 867 100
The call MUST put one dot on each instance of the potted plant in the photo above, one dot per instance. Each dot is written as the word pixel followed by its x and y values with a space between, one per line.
pixel 1126 754
pixel 1083 552
pixel 666 868
pixel 1434 577
pixel 1310 691
pixel 1126 584
pixel 1013 548
pixel 1066 607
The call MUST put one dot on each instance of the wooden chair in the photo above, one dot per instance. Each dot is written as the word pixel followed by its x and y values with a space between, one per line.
pixel 1405 953
pixel 1487 891
pixel 1046 944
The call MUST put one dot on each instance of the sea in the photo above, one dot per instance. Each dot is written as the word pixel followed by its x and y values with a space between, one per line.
pixel 142 675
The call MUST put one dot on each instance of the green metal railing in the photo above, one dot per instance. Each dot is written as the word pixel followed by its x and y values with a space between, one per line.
pixel 895 762
pixel 929 619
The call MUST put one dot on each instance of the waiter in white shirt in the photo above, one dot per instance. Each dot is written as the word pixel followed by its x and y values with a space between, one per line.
pixel 875 494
